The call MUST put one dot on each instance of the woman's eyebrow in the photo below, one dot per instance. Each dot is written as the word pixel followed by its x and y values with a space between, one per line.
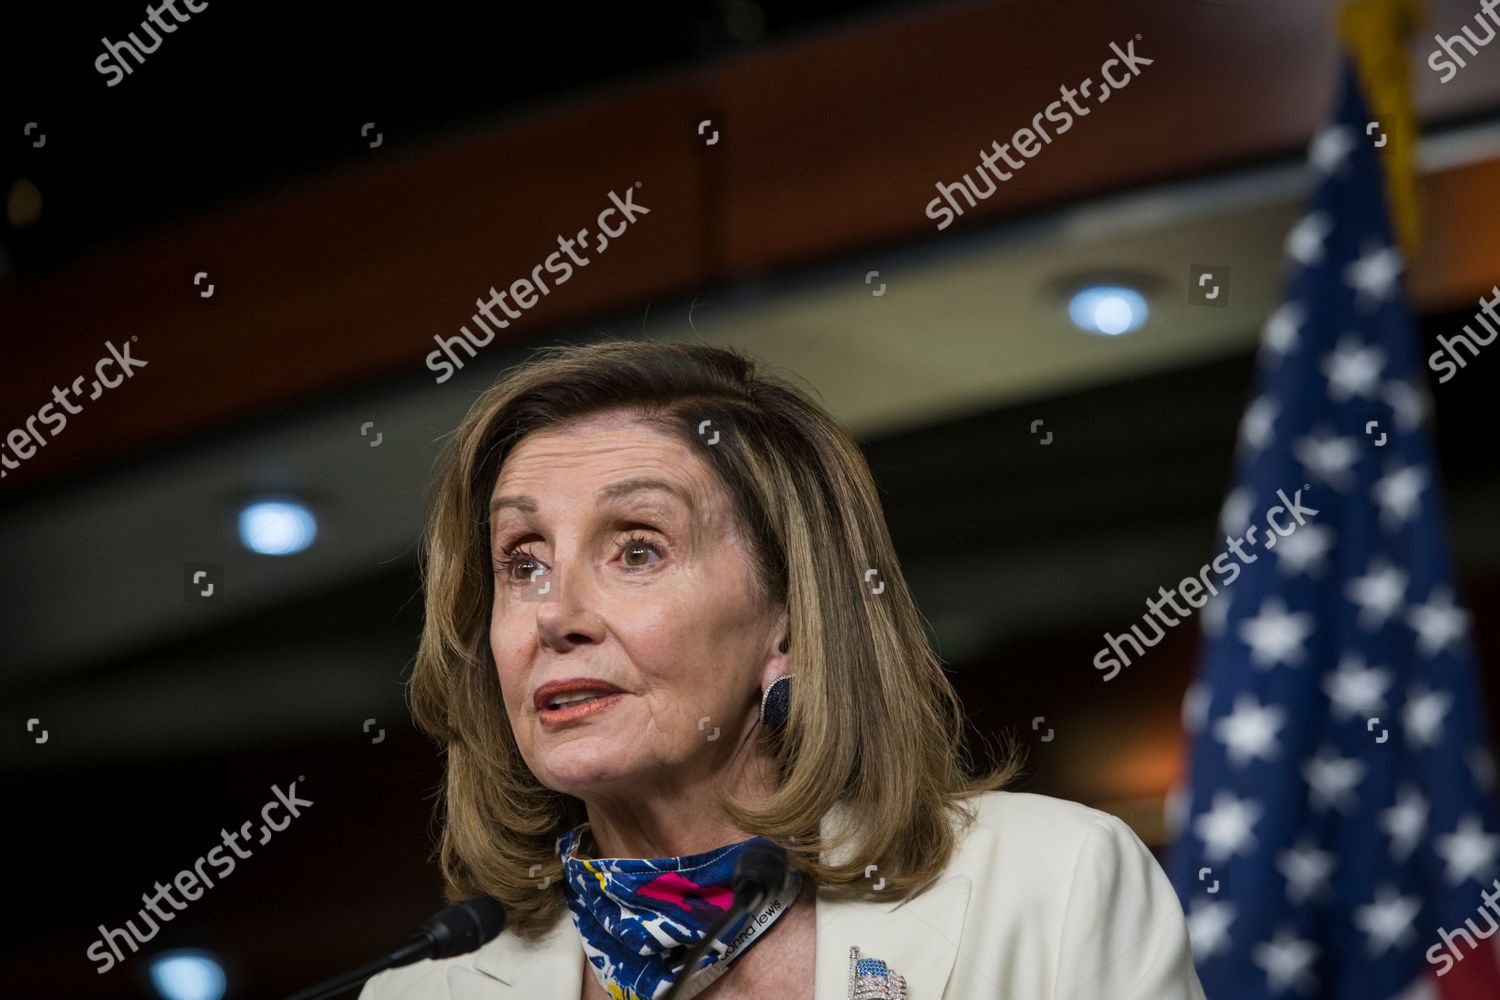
pixel 613 491
pixel 525 503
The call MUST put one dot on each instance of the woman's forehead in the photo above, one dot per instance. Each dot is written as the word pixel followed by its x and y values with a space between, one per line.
pixel 611 461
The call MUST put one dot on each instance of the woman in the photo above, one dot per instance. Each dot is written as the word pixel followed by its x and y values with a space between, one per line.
pixel 632 550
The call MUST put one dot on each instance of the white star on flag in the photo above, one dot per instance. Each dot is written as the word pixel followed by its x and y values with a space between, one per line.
pixel 1286 960
pixel 1355 689
pixel 1352 369
pixel 1405 822
pixel 1468 851
pixel 1257 423
pixel 1328 457
pixel 1216 614
pixel 1439 622
pixel 1379 593
pixel 1235 513
pixel 1250 730
pixel 1276 636
pixel 1331 780
pixel 1195 706
pixel 1304 243
pixel 1422 716
pixel 1409 401
pixel 1281 330
pixel 1373 275
pixel 1388 920
pixel 1226 828
pixel 1397 492
pixel 1306 869
pixel 1208 927
pixel 1305 551
pixel 1330 148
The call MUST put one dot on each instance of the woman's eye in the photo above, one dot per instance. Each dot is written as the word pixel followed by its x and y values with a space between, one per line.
pixel 516 559
pixel 637 551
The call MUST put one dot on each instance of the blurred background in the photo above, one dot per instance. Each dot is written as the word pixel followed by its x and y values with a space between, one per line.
pixel 284 206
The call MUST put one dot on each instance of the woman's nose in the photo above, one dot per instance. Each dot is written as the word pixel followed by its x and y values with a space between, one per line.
pixel 565 614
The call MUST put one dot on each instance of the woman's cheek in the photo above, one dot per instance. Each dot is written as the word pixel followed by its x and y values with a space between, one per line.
pixel 511 685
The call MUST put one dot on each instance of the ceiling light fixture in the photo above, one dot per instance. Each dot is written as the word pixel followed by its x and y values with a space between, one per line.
pixel 277 527
pixel 1107 309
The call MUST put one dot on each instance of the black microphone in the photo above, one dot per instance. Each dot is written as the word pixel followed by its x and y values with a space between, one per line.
pixel 760 871
pixel 455 929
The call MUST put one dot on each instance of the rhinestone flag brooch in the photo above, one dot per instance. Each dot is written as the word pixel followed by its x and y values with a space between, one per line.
pixel 872 979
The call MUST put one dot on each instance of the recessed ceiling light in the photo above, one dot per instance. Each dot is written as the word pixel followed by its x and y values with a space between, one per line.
pixel 277 527
pixel 187 974
pixel 1109 310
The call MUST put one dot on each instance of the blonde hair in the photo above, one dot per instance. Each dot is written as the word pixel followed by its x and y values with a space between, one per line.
pixel 874 725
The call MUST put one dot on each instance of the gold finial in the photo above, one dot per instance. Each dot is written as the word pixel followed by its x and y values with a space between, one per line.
pixel 1375 33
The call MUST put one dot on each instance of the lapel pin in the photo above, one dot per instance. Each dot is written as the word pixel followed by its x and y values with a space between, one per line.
pixel 872 979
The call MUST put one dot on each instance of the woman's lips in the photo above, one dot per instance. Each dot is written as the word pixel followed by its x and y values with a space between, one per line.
pixel 568 714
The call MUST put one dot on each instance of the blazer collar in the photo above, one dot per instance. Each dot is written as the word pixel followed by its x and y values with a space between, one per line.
pixel 551 967
pixel 917 938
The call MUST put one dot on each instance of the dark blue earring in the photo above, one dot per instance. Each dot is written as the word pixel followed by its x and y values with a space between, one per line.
pixel 776 703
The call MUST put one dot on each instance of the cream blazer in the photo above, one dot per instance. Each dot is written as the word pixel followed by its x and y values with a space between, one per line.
pixel 1044 899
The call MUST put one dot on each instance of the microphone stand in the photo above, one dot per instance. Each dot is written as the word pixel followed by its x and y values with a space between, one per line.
pixel 761 867
pixel 701 948
pixel 454 930
pixel 413 950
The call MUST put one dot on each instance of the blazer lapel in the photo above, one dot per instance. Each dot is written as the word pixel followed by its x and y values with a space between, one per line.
pixel 917 939
pixel 552 967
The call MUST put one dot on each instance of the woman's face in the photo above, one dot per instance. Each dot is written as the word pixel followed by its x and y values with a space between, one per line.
pixel 645 587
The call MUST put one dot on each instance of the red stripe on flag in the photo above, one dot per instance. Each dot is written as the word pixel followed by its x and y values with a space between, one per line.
pixel 1475 977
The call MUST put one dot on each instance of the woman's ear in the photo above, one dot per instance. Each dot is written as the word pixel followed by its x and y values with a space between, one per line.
pixel 777 664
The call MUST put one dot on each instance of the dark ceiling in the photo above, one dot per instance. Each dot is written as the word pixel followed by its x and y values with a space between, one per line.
pixel 279 92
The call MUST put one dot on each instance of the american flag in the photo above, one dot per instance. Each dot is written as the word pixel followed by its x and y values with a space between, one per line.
pixel 1338 808
pixel 872 979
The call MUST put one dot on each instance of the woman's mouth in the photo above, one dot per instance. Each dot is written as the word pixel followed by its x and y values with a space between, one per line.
pixel 566 709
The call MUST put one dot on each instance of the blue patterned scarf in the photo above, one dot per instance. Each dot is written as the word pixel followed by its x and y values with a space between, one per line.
pixel 639 917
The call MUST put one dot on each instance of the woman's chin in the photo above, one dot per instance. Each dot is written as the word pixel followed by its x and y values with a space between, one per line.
pixel 578 770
